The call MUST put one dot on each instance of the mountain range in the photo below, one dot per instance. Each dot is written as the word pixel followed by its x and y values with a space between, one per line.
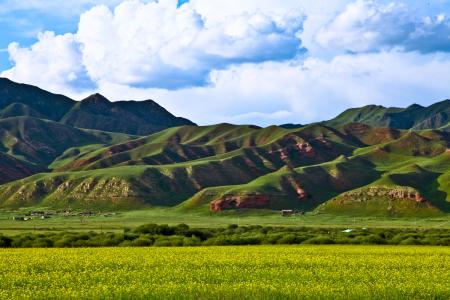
pixel 94 153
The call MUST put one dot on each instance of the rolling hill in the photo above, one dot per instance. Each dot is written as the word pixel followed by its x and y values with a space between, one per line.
pixel 97 154
pixel 413 117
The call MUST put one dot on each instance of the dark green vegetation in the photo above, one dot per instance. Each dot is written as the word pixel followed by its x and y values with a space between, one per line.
pixel 97 155
pixel 183 235
pixel 94 112
pixel 412 117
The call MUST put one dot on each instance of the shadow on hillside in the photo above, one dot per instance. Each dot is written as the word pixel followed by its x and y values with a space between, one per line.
pixel 427 184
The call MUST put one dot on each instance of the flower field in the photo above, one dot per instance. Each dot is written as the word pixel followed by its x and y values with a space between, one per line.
pixel 243 272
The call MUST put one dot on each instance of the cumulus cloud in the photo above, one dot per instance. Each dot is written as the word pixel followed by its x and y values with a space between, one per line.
pixel 162 45
pixel 366 25
pixel 157 44
pixel 305 91
pixel 250 55
pixel 53 62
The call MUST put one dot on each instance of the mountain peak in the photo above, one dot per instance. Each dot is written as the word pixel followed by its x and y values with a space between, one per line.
pixel 415 106
pixel 96 99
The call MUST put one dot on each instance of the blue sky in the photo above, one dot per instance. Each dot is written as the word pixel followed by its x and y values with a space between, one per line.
pixel 241 61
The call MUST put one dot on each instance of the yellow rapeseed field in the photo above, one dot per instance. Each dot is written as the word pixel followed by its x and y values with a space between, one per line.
pixel 246 272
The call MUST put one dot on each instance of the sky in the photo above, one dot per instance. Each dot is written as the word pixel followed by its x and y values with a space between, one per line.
pixel 257 62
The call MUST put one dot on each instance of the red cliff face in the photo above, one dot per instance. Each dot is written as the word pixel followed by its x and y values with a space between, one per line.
pixel 236 202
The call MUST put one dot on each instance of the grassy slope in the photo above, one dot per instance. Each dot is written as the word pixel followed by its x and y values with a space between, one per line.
pixel 414 116
pixel 426 177
pixel 210 142
pixel 237 154
pixel 29 145
pixel 171 166
pixel 40 141
pixel 320 183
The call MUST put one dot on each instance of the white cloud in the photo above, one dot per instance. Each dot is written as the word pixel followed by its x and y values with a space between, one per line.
pixel 154 44
pixel 303 92
pixel 160 45
pixel 53 62
pixel 248 55
pixel 367 25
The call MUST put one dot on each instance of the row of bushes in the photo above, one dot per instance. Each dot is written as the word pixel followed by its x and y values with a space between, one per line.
pixel 183 235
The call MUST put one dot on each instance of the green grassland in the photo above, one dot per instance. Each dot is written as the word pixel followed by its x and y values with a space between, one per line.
pixel 200 219
pixel 245 272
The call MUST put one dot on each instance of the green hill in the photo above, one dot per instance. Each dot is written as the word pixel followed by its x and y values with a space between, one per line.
pixel 41 141
pixel 412 117
pixel 273 146
pixel 288 188
pixel 225 166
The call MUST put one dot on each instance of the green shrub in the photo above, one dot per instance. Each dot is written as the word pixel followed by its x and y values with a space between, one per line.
pixel 319 240
pixel 5 242
pixel 141 242
pixel 410 241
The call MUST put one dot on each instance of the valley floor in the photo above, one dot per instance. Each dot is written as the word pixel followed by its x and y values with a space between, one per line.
pixel 116 222
pixel 243 272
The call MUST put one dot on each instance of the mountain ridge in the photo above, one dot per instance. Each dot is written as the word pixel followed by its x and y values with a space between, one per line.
pixel 412 117
pixel 93 112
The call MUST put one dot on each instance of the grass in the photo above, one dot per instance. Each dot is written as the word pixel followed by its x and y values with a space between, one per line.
pixel 247 272
pixel 132 219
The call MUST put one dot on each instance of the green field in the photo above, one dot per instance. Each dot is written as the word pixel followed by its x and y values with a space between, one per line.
pixel 247 272
pixel 132 219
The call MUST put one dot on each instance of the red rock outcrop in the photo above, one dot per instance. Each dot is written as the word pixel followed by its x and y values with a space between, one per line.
pixel 303 148
pixel 321 138
pixel 302 195
pixel 239 201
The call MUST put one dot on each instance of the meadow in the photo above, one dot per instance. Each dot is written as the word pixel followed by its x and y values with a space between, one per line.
pixel 132 219
pixel 245 272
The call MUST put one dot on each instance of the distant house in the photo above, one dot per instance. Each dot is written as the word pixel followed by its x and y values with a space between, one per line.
pixel 87 214
pixel 287 213
pixel 37 213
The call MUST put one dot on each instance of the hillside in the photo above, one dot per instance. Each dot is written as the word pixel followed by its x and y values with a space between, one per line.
pixel 40 141
pixel 412 117
pixel 12 168
pixel 225 166
pixel 133 117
